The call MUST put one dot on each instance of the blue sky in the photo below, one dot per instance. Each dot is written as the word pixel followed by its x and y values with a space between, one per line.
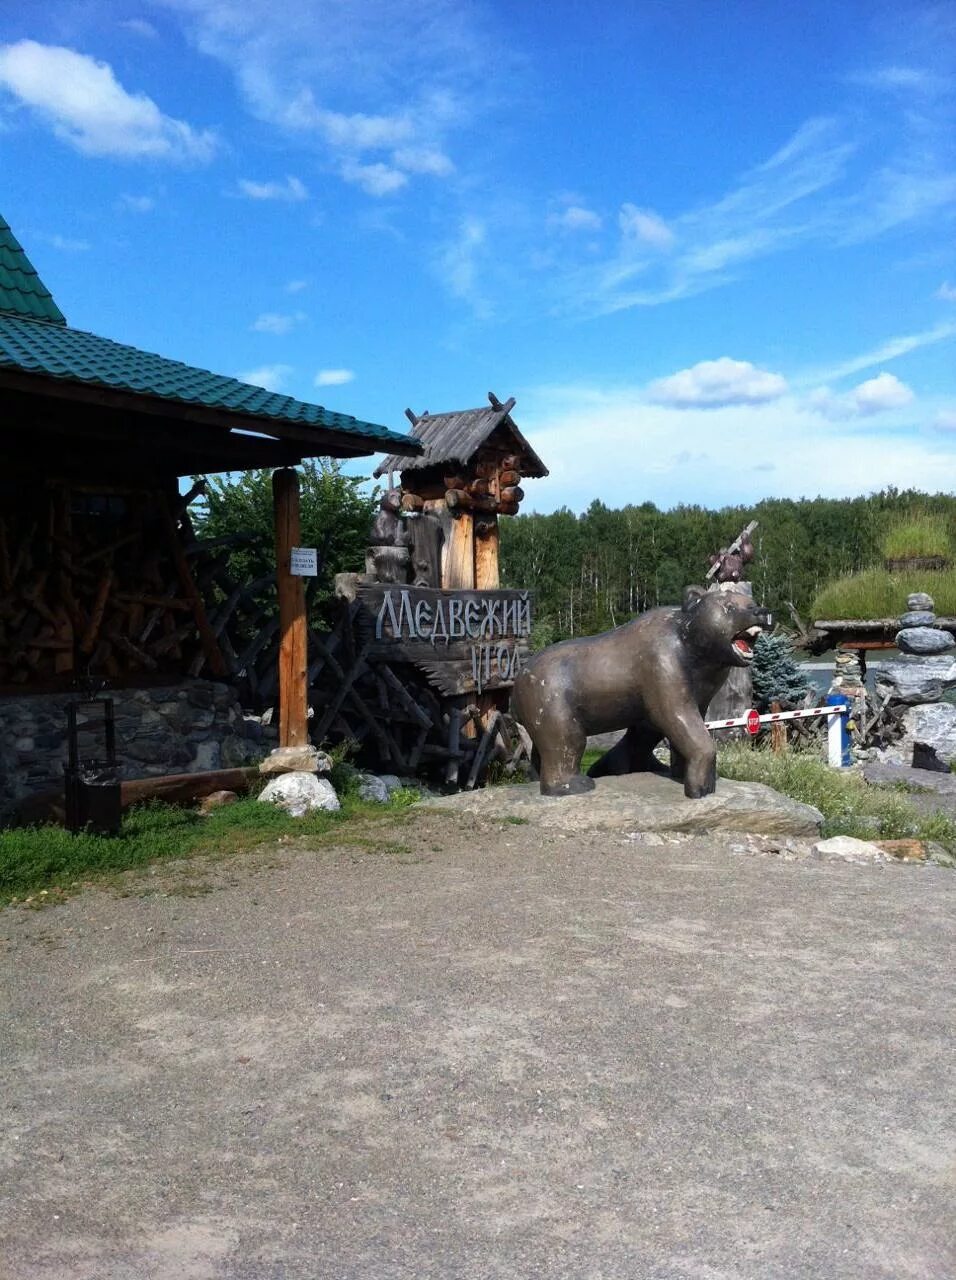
pixel 709 247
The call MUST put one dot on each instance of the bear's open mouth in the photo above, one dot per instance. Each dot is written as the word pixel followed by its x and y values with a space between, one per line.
pixel 743 644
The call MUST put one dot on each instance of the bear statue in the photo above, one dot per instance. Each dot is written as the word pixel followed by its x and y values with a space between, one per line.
pixel 653 677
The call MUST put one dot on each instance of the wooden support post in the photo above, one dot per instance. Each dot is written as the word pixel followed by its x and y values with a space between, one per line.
pixel 458 561
pixel 778 732
pixel 486 557
pixel 293 643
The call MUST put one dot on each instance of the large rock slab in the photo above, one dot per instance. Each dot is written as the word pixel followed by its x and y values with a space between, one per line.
pixel 643 802
pixel 917 680
pixel 890 775
pixel 304 759
pixel 923 640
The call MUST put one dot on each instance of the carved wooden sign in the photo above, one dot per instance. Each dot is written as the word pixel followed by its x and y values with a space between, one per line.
pixel 464 641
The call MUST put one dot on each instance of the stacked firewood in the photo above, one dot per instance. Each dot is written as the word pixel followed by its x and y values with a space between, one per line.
pixel 99 583
pixel 116 586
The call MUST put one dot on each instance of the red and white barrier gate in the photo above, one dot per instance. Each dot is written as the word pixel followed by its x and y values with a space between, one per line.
pixel 837 738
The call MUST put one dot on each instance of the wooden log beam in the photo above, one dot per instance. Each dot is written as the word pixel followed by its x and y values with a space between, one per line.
pixel 175 788
pixel 484 749
pixel 454 745
pixel 293 627
pixel 210 645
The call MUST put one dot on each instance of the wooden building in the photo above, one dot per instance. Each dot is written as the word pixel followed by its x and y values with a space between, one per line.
pixel 100 573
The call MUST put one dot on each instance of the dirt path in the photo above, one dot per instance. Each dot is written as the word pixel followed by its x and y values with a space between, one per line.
pixel 469 1053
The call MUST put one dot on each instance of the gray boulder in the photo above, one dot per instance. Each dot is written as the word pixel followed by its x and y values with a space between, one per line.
pixel 915 681
pixel 929 737
pixel 300 793
pixel 373 788
pixel 920 600
pixel 918 618
pixel 924 640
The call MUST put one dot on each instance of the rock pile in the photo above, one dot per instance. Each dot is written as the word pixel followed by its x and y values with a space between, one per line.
pixel 300 781
pixel 918 633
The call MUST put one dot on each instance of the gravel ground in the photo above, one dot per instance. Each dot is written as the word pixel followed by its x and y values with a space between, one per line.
pixel 460 1049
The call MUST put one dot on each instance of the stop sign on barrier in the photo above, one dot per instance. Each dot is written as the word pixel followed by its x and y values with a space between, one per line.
pixel 753 722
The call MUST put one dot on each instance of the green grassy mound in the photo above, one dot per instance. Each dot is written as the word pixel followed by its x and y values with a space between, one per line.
pixel 923 536
pixel 874 593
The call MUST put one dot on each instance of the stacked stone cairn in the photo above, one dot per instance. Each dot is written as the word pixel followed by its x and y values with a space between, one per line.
pixel 913 688
pixel 918 633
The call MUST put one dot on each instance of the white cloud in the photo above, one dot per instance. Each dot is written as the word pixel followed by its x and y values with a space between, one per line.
pixel 140 27
pixel 646 226
pixel 333 377
pixel 717 383
pixel 835 181
pixel 362 132
pixel 891 349
pixel 292 190
pixel 375 179
pixel 946 292
pixel 136 204
pixel 381 81
pixel 277 323
pixel 86 106
pixel 899 78
pixel 880 394
pixel 701 455
pixel 67 244
pixel 576 218
pixel 296 286
pixel 423 160
pixel 270 376
pixel 945 420
pixel 458 264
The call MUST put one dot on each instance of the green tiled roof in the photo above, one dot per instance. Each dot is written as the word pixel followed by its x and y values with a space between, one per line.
pixel 57 351
pixel 22 292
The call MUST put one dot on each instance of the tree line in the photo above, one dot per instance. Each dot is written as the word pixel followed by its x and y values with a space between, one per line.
pixel 600 568
pixel 589 571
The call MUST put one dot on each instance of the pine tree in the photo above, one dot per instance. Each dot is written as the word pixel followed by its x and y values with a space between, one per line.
pixel 776 676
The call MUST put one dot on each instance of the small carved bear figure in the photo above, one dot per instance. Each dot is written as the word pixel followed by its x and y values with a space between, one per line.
pixel 653 677
pixel 388 529
pixel 387 558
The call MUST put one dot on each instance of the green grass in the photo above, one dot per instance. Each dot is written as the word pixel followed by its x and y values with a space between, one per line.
pixel 874 593
pixel 39 861
pixel 925 535
pixel 850 806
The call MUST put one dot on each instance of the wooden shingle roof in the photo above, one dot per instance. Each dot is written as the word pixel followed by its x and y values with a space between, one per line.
pixel 457 436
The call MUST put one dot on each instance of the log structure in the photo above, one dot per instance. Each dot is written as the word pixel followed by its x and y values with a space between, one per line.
pixel 468 474
pixel 448 501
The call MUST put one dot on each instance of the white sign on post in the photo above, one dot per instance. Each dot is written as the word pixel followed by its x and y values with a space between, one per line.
pixel 304 562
